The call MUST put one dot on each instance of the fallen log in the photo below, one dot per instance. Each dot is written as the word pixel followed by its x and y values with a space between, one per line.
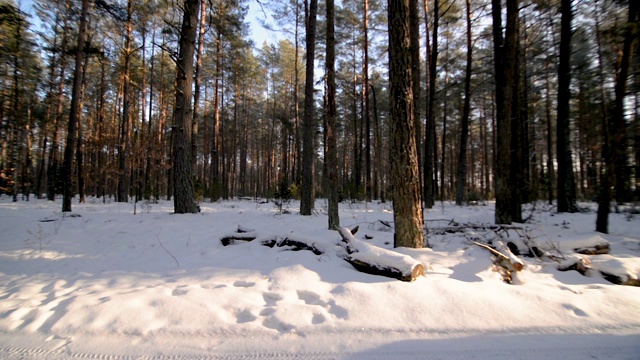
pixel 586 267
pixel 233 238
pixel 293 245
pixel 597 249
pixel 374 260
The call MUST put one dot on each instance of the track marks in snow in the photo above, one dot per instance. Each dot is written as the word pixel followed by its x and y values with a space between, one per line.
pixel 600 352
pixel 576 310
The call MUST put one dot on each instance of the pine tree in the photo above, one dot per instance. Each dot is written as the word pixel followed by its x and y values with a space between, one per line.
pixel 403 154
pixel 184 200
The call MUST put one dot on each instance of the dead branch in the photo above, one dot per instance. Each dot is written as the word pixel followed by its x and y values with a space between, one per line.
pixel 504 254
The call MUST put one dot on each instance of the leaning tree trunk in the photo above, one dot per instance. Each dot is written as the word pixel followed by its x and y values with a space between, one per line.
pixel 183 199
pixel 403 153
pixel 74 113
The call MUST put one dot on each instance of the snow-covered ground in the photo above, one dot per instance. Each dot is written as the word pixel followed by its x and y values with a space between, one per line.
pixel 109 284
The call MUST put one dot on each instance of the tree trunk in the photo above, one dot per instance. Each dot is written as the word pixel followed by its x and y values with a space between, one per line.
pixel 512 55
pixel 365 95
pixel 308 151
pixel 74 113
pixel 502 157
pixel 123 149
pixel 198 80
pixel 52 169
pixel 182 161
pixel 403 154
pixel 566 184
pixel 430 126
pixel 614 140
pixel 619 136
pixel 331 157
pixel 464 122
pixel 414 23
pixel 80 142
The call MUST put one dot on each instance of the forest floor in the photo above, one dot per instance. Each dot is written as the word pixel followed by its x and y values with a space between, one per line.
pixel 105 283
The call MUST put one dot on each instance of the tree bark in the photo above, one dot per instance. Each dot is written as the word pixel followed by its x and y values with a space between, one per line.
pixel 183 116
pixel 430 126
pixel 123 146
pixel 619 136
pixel 331 157
pixel 502 157
pixel 308 151
pixel 403 154
pixel 365 95
pixel 614 140
pixel 566 184
pixel 74 113
pixel 464 122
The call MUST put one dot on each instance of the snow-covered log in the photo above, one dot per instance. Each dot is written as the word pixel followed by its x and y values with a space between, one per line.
pixel 374 260
pixel 614 270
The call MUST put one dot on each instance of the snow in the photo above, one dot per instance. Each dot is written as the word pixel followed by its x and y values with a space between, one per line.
pixel 155 285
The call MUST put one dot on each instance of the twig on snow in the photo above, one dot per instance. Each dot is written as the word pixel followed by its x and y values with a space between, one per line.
pixel 165 249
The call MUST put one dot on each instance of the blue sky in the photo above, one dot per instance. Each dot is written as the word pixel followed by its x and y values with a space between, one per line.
pixel 258 33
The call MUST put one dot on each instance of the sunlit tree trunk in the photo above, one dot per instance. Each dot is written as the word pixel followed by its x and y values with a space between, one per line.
pixel 403 154
pixel 183 116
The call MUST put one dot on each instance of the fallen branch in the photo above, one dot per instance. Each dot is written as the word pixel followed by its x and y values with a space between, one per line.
pixel 503 253
pixel 167 251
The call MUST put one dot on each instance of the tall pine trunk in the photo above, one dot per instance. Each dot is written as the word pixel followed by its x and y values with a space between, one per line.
pixel 308 151
pixel 430 126
pixel 612 142
pixel 183 199
pixel 123 146
pixel 464 123
pixel 566 184
pixel 331 157
pixel 74 113
pixel 403 152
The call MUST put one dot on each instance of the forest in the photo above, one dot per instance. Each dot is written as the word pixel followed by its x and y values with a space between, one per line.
pixel 436 100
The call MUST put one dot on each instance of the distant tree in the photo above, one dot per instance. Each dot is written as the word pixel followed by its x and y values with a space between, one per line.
pixel 403 152
pixel 430 127
pixel 184 199
pixel 464 122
